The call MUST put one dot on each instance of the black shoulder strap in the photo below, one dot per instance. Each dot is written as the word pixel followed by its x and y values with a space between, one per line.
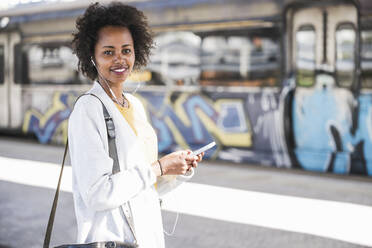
pixel 112 153
pixel 110 127
pixel 54 206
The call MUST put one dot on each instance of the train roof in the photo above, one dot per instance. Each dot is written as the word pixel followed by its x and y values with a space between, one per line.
pixel 159 12
pixel 173 13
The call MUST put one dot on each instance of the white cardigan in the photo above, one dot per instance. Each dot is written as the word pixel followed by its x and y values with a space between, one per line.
pixel 98 194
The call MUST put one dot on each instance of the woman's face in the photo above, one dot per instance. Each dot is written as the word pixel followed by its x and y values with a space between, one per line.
pixel 114 53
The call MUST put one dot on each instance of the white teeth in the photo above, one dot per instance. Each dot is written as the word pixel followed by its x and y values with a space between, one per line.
pixel 119 70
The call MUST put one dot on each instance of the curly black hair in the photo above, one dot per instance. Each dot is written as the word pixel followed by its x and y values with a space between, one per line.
pixel 97 16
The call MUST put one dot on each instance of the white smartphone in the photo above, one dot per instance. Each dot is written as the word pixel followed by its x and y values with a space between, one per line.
pixel 204 148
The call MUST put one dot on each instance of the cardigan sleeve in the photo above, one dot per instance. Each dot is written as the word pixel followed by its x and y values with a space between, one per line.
pixel 92 166
pixel 166 184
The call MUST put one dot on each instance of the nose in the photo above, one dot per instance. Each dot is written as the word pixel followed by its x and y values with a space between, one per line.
pixel 119 58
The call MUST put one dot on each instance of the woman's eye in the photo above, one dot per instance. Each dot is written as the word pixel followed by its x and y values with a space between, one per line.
pixel 108 52
pixel 126 51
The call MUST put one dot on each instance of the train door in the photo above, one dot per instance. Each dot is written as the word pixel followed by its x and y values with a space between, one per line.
pixel 4 82
pixel 322 44
pixel 15 88
pixel 10 92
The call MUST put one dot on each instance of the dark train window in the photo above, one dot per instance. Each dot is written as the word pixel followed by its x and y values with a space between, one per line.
pixel 46 63
pixel 2 64
pixel 305 56
pixel 239 60
pixel 20 65
pixel 366 58
pixel 345 54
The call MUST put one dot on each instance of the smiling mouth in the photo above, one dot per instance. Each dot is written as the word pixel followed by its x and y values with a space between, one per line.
pixel 119 70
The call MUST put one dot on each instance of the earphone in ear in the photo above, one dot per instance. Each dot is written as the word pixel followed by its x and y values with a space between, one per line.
pixel 91 59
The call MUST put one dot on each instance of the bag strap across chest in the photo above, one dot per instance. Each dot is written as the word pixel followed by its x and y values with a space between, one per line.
pixel 110 127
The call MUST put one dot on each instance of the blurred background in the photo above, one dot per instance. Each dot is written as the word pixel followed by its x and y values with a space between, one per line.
pixel 284 87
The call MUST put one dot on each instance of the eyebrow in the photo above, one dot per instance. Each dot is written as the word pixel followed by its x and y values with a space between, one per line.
pixel 125 45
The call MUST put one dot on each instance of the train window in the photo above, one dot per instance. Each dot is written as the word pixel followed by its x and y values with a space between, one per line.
pixel 46 63
pixel 2 64
pixel 345 54
pixel 239 61
pixel 305 56
pixel 176 59
pixel 20 65
pixel 366 58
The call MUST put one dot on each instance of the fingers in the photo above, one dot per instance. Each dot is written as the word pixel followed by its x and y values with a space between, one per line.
pixel 183 165
pixel 200 157
pixel 192 159
pixel 191 156
pixel 178 163
pixel 194 164
pixel 185 168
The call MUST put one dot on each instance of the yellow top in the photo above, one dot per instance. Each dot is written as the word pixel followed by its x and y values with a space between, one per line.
pixel 143 130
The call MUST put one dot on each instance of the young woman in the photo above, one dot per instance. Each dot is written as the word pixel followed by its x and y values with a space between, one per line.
pixel 111 41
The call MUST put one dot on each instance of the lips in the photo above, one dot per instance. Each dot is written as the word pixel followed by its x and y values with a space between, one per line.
pixel 119 70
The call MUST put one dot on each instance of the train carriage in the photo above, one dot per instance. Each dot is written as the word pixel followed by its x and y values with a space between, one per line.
pixel 329 102
pixel 269 84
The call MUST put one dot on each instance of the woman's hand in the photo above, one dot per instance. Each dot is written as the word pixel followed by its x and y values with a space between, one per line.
pixel 177 163
pixel 196 160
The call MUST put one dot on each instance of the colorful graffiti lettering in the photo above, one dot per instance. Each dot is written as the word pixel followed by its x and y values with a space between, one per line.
pixel 328 136
pixel 51 125
pixel 181 120
pixel 190 121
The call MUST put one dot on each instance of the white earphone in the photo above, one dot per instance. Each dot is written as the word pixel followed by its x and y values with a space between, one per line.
pixel 91 59
pixel 105 80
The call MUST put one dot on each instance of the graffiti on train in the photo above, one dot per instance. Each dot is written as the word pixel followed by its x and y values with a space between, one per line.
pixel 50 125
pixel 189 121
pixel 248 127
pixel 332 131
pixel 241 124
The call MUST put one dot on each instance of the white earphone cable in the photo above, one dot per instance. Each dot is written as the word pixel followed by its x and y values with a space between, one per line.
pixel 174 226
pixel 175 222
